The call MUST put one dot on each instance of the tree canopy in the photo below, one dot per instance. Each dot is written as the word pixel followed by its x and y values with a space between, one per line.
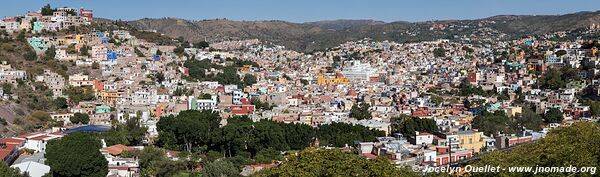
pixel 316 162
pixel 251 142
pixel 220 168
pixel 154 162
pixel 493 123
pixel 409 125
pixel 188 129
pixel 341 134
pixel 360 111
pixel 7 171
pixel 76 154
pixel 78 118
pixel 554 115
pixel 566 146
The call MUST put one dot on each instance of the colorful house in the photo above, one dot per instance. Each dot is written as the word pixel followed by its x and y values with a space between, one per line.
pixel 102 109
pixel 38 44
pixel 38 26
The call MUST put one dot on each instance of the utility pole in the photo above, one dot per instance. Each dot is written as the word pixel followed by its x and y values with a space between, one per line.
pixel 449 151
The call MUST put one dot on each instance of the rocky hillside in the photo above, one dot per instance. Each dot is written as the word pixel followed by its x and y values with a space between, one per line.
pixel 323 34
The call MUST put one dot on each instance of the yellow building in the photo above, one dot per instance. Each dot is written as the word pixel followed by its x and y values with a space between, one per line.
pixel 327 81
pixel 110 97
pixel 246 68
pixel 471 140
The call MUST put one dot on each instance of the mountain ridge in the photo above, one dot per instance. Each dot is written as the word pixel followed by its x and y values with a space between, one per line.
pixel 313 36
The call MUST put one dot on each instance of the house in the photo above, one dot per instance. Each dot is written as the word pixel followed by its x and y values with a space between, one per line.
pixel 62 117
pixel 38 140
pixel 33 169
pixel 38 44
pixel 55 82
pixel 78 80
pixel 422 138
pixel 250 170
pixel 114 150
pixel 9 149
pixel 455 156
pixel 87 14
pixel 99 53
pixel 203 104
pixel 505 141
pixel 471 140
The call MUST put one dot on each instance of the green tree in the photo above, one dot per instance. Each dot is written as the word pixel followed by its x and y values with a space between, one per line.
pixel 206 96
pixel 228 76
pixel 342 134
pixel 493 123
pixel 47 10
pixel 80 118
pixel 159 77
pixel 439 52
pixel 7 88
pixel 50 53
pixel 30 55
pixel 568 146
pixel 84 51
pixel 466 89
pixel 134 131
pixel 594 107
pixel 304 81
pixel 409 125
pixel 249 79
pixel 154 162
pixel 77 94
pixel 437 100
pixel 261 105
pixel 315 162
pixel 552 79
pixel 188 129
pixel 220 168
pixel 7 171
pixel 360 111
pixel 201 45
pixel 554 115
pixel 95 65
pixel 76 154
pixel 267 156
pixel 529 119
pixel 71 49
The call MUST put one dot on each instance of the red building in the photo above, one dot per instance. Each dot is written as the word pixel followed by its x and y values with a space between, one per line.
pixel 246 108
pixel 89 14
pixel 455 156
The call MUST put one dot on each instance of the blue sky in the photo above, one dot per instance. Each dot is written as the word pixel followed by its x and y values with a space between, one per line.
pixel 309 10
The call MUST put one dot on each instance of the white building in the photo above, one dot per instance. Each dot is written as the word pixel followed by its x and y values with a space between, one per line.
pixel 79 80
pixel 99 53
pixel 357 71
pixel 34 169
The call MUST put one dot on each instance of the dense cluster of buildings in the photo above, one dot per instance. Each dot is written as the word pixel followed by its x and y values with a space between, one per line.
pixel 138 78
pixel 61 18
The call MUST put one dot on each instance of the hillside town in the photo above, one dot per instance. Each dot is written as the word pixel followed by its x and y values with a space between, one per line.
pixel 422 104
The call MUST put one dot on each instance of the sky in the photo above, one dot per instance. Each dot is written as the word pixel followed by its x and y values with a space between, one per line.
pixel 309 10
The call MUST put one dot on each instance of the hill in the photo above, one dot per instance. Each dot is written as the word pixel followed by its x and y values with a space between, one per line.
pixel 319 35
pixel 562 147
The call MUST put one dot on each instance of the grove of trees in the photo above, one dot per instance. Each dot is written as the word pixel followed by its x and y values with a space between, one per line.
pixel 245 142
pixel 407 125
pixel 360 111
pixel 316 162
pixel 76 154
pixel 566 146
